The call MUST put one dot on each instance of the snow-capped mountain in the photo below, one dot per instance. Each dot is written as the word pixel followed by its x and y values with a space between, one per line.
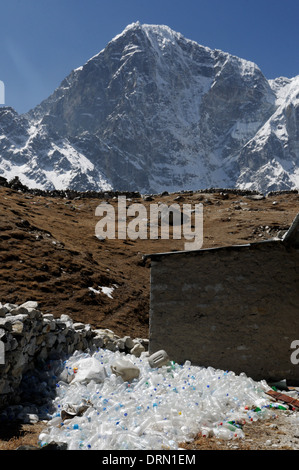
pixel 154 111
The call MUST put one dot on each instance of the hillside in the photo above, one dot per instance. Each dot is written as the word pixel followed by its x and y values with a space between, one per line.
pixel 49 251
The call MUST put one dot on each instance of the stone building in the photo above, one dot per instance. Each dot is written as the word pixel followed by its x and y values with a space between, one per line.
pixel 232 308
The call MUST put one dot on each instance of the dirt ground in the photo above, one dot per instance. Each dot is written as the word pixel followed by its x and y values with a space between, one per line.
pixel 49 253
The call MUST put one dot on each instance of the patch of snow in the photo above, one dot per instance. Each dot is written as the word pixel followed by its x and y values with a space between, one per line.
pixel 103 290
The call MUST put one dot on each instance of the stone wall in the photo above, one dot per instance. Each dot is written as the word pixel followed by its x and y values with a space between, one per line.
pixel 234 308
pixel 29 338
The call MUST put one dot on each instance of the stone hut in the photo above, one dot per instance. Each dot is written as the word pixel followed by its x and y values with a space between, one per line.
pixel 232 308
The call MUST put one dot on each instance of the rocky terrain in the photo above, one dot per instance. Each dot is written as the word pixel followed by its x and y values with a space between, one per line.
pixel 155 111
pixel 49 253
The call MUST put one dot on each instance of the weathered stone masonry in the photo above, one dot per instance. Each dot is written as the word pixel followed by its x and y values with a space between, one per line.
pixel 233 308
pixel 29 338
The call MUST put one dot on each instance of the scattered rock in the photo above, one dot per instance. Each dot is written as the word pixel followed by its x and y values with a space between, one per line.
pixel 137 349
pixel 27 447
pixel 55 446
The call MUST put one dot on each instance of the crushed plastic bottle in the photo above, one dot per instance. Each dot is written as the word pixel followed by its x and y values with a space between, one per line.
pixel 158 409
pixel 125 369
pixel 158 359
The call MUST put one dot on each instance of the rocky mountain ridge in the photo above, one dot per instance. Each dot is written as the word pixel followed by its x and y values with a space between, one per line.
pixel 154 111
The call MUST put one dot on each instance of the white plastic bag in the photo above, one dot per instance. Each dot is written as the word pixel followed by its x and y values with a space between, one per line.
pixel 89 369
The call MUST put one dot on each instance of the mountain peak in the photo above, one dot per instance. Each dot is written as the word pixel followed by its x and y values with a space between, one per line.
pixel 129 28
pixel 151 30
pixel 155 111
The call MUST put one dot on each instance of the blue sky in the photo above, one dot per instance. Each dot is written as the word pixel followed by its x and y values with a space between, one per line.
pixel 42 41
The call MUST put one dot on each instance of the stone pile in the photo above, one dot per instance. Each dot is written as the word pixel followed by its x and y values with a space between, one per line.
pixel 29 338
pixel 17 185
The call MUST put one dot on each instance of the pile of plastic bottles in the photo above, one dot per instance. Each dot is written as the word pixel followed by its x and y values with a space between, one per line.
pixel 160 408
